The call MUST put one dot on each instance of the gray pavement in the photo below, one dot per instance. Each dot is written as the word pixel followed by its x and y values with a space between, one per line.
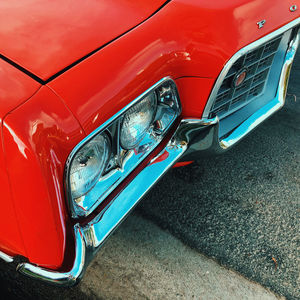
pixel 142 261
pixel 155 265
pixel 240 209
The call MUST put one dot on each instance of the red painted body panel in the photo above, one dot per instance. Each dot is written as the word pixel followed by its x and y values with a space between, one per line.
pixel 10 238
pixel 47 36
pixel 38 136
pixel 183 39
pixel 15 88
pixel 187 40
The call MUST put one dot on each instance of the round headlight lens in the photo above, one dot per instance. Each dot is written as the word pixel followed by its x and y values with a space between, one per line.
pixel 137 121
pixel 88 165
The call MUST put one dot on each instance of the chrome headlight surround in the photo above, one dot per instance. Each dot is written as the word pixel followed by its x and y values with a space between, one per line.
pixel 123 161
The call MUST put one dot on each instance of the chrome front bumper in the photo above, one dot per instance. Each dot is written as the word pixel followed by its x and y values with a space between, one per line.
pixel 192 138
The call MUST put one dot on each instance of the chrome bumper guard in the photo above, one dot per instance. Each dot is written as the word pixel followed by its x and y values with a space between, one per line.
pixel 192 138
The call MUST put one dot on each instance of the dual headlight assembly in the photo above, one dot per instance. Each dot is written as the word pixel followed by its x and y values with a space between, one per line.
pixel 108 155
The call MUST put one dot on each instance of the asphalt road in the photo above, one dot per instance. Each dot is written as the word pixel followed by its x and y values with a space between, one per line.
pixel 142 261
pixel 243 208
pixel 240 209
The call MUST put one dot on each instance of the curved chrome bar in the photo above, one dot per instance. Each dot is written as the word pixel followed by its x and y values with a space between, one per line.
pixel 6 257
pixel 60 278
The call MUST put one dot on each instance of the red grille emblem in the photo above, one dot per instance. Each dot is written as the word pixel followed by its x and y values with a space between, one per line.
pixel 239 78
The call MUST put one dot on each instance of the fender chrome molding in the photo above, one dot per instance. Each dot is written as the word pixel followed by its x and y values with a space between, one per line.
pixel 193 137
pixel 6 257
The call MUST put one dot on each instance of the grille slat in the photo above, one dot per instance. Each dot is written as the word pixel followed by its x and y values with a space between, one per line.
pixel 257 63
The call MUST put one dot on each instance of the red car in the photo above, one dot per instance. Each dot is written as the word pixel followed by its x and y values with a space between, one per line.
pixel 98 99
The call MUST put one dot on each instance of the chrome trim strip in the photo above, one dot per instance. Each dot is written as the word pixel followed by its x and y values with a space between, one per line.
pixel 6 258
pixel 237 55
pixel 61 278
pixel 192 135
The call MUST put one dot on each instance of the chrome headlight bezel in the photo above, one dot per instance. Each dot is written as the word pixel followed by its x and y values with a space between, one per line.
pixel 122 161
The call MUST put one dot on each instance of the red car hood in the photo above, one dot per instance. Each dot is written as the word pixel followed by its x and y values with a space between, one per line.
pixel 45 36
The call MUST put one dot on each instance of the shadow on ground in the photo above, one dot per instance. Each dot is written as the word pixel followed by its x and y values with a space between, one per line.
pixel 242 208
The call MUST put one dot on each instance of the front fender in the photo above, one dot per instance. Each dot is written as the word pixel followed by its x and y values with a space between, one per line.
pixel 38 136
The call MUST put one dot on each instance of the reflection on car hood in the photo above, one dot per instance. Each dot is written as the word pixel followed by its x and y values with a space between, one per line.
pixel 44 37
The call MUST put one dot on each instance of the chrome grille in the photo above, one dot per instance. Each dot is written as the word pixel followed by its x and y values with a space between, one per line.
pixel 258 63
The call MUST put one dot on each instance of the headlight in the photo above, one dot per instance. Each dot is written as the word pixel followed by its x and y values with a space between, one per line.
pixel 99 163
pixel 137 121
pixel 88 165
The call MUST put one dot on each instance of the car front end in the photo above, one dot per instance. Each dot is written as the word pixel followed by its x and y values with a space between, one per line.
pixel 190 80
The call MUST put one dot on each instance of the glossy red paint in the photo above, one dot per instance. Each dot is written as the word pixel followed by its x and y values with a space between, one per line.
pixel 182 164
pixel 184 39
pixel 47 36
pixel 10 238
pixel 161 157
pixel 15 88
pixel 38 136
pixel 187 40
pixel 194 93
